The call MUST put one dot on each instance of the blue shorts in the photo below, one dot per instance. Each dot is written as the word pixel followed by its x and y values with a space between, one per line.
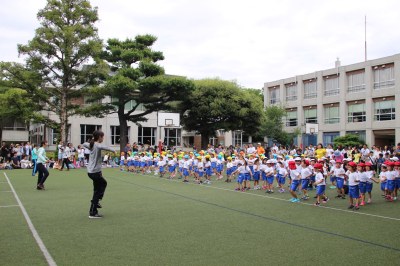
pixel 214 165
pixel 220 168
pixel 369 187
pixel 162 169
pixel 247 177
pixel 263 176
pixel 321 190
pixel 294 185
pixel 270 179
pixel 339 183
pixel 180 169
pixel 240 178
pixel 397 183
pixel 136 163
pixel 121 163
pixel 383 186
pixel 185 172
pixel 390 185
pixel 208 171
pixel 354 192
pixel 312 178
pixel 171 169
pixel 304 183
pixel 142 164
pixel 252 169
pixel 229 171
pixel 281 180
pixel 200 173
pixel 333 179
pixel 256 176
pixel 363 187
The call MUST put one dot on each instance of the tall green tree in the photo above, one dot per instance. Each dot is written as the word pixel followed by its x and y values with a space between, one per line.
pixel 273 125
pixel 137 81
pixel 217 104
pixel 60 60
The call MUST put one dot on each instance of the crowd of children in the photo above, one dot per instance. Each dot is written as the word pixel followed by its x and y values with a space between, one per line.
pixel 300 173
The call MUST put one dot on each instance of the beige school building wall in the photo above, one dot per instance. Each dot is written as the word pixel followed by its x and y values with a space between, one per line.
pixel 361 98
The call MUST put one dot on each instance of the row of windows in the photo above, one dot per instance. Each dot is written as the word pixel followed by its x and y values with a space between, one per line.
pixel 383 111
pixel 383 79
pixel 146 135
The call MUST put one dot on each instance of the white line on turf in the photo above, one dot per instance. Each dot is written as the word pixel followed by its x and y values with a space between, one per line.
pixel 274 198
pixel 9 206
pixel 46 253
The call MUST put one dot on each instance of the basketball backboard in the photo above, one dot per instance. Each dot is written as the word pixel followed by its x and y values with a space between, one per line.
pixel 311 128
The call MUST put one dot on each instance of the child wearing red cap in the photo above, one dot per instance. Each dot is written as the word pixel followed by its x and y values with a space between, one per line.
pixel 354 192
pixel 390 177
pixel 363 182
pixel 397 178
pixel 320 183
pixel 338 172
pixel 305 178
pixel 370 174
pixel 295 176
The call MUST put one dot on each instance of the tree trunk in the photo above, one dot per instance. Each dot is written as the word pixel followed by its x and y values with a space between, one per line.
pixel 123 127
pixel 64 118
pixel 204 140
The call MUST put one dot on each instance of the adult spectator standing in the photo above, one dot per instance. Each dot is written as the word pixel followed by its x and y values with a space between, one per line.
pixel 19 151
pixel 66 155
pixel 4 152
pixel 128 149
pixel 260 149
pixel 34 160
pixel 320 151
pixel 28 151
pixel 87 152
pixel 41 162
pixel 364 153
pixel 397 151
pixel 60 152
pixel 251 149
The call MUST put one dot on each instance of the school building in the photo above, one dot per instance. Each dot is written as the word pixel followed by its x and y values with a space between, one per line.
pixel 358 99
pixel 160 126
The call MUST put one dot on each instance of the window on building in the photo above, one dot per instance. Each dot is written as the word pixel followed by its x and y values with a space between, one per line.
pixel 213 141
pixel 328 137
pixel 130 105
pixel 55 136
pixel 384 109
pixel 356 81
pixel 87 101
pixel 331 85
pixel 361 134
pixel 310 89
pixel 274 95
pixel 291 118
pixel 237 137
pixel 87 131
pixel 356 112
pixel 331 114
pixel 147 135
pixel 383 77
pixel 310 115
pixel 116 135
pixel 172 136
pixel 291 92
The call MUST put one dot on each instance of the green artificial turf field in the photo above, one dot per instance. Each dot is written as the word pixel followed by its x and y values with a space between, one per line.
pixel 154 221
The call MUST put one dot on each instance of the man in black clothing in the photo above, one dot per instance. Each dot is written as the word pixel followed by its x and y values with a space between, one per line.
pixel 4 152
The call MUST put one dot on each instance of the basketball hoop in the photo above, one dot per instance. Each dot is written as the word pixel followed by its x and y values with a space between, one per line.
pixel 311 129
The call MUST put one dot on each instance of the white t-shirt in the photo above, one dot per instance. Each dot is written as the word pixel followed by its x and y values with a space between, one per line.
pixel 294 175
pixel 305 173
pixel 244 169
pixel 338 172
pixel 353 179
pixel 369 175
pixel 269 171
pixel 318 178
pixel 362 177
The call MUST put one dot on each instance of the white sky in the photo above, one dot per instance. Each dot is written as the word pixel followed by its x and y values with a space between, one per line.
pixel 251 41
